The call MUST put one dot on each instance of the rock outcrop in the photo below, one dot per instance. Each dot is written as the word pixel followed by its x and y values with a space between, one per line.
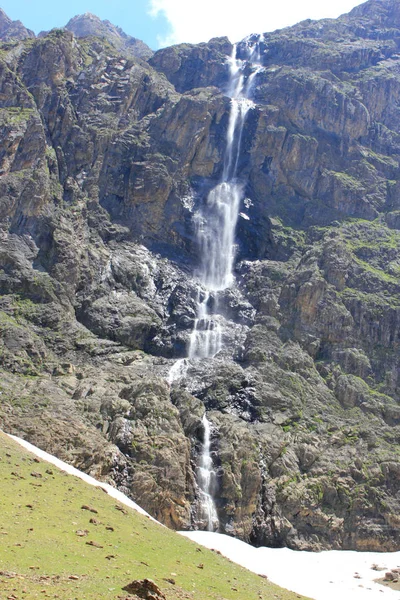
pixel 89 25
pixel 105 160
pixel 12 30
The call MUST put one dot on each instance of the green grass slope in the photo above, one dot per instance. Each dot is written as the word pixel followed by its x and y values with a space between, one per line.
pixel 53 547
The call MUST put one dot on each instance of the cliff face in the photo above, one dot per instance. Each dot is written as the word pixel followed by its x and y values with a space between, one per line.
pixel 105 160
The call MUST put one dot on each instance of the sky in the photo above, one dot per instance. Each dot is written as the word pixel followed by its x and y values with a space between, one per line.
pixel 164 22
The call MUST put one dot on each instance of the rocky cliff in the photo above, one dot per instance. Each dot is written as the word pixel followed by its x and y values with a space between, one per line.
pixel 105 161
pixel 89 25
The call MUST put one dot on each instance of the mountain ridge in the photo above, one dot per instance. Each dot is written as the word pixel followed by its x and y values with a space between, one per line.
pixel 83 25
pixel 89 24
pixel 12 29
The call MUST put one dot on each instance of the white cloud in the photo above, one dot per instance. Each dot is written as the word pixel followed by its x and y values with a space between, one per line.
pixel 199 20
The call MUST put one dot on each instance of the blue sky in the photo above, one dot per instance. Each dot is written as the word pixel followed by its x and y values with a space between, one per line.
pixel 164 22
pixel 132 16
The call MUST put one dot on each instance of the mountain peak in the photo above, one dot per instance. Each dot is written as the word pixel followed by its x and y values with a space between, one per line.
pixel 89 24
pixel 4 18
pixel 12 30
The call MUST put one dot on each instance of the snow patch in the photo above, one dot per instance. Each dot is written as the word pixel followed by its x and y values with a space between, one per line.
pixel 327 575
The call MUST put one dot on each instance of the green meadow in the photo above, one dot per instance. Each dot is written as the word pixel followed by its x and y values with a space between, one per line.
pixel 62 538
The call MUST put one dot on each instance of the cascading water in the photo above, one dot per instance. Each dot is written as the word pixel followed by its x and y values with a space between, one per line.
pixel 216 224
pixel 177 371
pixel 215 227
pixel 206 481
pixel 206 337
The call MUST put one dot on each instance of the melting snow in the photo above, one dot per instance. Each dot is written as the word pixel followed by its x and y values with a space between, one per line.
pixel 327 575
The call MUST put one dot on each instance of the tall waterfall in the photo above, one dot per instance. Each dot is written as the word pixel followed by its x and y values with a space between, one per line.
pixel 215 228
pixel 216 222
pixel 206 482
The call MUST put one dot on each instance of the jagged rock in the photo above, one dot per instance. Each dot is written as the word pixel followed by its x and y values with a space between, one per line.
pixel 90 25
pixel 144 588
pixel 12 30
pixel 105 161
pixel 190 66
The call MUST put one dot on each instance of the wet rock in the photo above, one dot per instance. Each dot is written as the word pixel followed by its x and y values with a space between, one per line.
pixel 190 66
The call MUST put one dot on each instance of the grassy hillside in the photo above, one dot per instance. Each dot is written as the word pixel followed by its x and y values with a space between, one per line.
pixel 53 547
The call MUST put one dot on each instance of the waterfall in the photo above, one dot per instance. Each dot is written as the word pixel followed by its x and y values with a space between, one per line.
pixel 177 371
pixel 216 223
pixel 206 482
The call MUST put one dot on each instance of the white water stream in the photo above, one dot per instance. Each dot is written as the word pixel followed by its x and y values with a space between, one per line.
pixel 206 478
pixel 216 226
pixel 216 223
pixel 215 229
pixel 177 371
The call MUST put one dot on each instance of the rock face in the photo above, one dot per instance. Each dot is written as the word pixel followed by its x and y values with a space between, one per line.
pixel 12 30
pixel 105 161
pixel 89 25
